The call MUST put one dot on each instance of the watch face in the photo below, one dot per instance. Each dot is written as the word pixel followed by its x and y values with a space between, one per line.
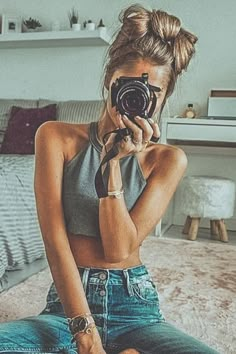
pixel 81 324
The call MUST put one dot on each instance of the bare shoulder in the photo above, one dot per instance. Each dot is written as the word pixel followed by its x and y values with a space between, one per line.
pixel 169 153
pixel 63 131
pixel 67 138
pixel 163 158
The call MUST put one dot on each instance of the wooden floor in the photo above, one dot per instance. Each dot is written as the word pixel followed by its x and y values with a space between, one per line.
pixel 203 234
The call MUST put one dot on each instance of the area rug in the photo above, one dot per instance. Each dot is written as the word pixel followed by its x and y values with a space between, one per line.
pixel 196 283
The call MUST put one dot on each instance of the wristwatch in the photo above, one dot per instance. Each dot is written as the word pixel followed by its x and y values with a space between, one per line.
pixel 81 324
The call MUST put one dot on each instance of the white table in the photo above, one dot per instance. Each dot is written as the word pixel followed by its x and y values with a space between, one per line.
pixel 201 136
pixel 198 130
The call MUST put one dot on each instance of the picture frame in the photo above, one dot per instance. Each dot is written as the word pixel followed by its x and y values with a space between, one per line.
pixel 11 24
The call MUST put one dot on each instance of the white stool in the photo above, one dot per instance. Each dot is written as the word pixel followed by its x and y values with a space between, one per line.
pixel 207 197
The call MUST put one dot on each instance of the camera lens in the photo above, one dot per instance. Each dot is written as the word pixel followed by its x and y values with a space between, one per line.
pixel 133 99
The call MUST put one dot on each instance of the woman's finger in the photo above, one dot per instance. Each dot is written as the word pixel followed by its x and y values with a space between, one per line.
pixel 146 129
pixel 120 124
pixel 155 128
pixel 136 131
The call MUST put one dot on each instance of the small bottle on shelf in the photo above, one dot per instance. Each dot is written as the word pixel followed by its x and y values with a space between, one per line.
pixel 189 112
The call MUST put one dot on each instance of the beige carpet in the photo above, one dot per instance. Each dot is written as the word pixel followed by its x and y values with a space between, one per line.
pixel 196 282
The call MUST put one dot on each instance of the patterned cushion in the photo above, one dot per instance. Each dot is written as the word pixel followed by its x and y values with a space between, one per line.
pixel 5 109
pixel 7 104
pixel 22 126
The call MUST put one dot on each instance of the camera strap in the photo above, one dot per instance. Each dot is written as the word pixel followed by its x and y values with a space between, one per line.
pixel 102 174
pixel 153 89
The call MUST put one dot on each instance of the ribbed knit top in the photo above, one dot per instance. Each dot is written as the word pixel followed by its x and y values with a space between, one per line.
pixel 80 201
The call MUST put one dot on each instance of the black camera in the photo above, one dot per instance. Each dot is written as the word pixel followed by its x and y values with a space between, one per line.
pixel 132 96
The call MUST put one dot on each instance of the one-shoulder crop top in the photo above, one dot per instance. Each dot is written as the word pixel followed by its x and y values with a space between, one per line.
pixel 80 201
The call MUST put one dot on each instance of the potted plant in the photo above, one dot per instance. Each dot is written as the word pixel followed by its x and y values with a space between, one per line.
pixel 101 27
pixel 32 24
pixel 90 25
pixel 101 24
pixel 74 19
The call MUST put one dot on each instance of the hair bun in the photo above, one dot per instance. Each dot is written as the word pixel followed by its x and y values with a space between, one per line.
pixel 135 21
pixel 183 50
pixel 164 25
pixel 152 35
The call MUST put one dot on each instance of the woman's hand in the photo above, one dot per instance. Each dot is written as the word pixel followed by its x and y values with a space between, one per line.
pixel 138 140
pixel 89 343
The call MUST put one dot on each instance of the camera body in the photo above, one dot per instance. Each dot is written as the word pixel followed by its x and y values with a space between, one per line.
pixel 132 96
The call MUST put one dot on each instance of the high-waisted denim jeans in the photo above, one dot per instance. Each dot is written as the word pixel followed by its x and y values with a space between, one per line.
pixel 125 307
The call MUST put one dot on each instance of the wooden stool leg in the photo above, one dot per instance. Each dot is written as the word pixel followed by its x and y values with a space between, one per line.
pixel 187 225
pixel 215 230
pixel 222 231
pixel 192 235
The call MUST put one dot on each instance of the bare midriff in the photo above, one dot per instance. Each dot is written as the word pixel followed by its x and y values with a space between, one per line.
pixel 88 252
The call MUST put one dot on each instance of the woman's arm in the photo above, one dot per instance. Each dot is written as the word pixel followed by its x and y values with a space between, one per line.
pixel 49 160
pixel 123 231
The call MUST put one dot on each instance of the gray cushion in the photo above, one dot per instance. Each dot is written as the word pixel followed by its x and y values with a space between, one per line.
pixel 79 111
pixel 76 111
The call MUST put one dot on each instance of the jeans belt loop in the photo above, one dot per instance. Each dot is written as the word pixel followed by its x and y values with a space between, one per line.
pixel 128 285
pixel 85 278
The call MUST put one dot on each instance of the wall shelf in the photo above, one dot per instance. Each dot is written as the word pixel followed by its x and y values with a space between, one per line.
pixel 54 39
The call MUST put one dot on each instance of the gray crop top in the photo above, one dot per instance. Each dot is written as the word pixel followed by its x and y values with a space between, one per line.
pixel 80 201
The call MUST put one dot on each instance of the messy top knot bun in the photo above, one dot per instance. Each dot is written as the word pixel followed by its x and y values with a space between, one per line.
pixel 165 26
pixel 152 35
pixel 181 42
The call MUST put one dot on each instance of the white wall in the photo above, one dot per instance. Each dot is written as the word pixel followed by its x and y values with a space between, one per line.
pixel 75 73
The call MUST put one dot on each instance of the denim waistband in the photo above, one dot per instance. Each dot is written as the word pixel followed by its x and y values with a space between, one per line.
pixel 119 300
pixel 114 276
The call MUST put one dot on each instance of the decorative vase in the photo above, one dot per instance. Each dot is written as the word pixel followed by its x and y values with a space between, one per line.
pixel 90 26
pixel 76 26
pixel 55 26
pixel 102 30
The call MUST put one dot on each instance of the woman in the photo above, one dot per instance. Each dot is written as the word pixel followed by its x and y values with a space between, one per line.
pixel 103 297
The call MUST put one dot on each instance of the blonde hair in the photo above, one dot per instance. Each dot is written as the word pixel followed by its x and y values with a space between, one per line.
pixel 151 35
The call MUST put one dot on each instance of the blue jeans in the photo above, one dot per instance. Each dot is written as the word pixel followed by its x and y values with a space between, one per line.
pixel 125 307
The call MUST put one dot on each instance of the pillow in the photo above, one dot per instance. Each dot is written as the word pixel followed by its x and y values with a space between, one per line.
pixel 22 126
